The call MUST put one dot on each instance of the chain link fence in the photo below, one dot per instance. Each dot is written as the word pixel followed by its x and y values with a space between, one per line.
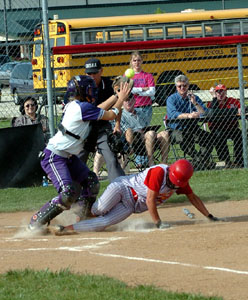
pixel 17 21
pixel 215 140
pixel 212 141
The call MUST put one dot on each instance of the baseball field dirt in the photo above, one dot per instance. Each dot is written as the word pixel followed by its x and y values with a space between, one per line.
pixel 193 256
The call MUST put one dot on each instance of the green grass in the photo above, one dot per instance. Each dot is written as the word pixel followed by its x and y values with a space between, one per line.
pixel 27 284
pixel 5 123
pixel 214 186
pixel 63 285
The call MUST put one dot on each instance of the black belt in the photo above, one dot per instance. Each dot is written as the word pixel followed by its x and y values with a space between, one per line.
pixel 65 131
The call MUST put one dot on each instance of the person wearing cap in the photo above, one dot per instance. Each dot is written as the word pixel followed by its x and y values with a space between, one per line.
pixel 186 107
pixel 138 193
pixel 98 135
pixel 225 127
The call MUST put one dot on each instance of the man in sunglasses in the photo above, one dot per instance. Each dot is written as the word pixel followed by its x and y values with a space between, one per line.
pixel 138 193
pixel 98 135
pixel 182 106
pixel 225 126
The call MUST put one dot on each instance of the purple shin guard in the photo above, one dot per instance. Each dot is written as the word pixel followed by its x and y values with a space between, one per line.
pixel 48 212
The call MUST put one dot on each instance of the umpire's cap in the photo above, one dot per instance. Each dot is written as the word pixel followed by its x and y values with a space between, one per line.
pixel 180 172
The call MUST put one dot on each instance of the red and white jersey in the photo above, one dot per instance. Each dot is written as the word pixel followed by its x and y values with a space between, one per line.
pixel 153 178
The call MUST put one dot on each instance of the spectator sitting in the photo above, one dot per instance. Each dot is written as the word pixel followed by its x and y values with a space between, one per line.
pixel 185 105
pixel 138 140
pixel 28 109
pixel 134 133
pixel 224 129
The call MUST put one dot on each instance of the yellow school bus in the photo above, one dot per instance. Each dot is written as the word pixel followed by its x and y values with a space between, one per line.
pixel 203 65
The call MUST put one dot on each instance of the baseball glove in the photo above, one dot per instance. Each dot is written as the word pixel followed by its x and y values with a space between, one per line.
pixel 115 142
pixel 117 82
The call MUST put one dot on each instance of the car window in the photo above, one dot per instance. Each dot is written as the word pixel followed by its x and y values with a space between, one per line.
pixel 20 71
pixel 16 72
pixel 30 73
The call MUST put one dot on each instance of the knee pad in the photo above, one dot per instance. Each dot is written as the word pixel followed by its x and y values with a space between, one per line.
pixel 90 190
pixel 90 186
pixel 68 195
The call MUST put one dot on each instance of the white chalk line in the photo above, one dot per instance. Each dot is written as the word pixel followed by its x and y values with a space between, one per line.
pixel 105 241
pixel 171 263
pixel 102 242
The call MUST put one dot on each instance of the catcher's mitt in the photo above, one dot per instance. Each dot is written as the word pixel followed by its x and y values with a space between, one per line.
pixel 115 142
pixel 117 82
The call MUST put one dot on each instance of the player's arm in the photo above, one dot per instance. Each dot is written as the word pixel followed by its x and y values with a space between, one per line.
pixel 198 204
pixel 151 205
pixel 122 94
pixel 117 127
pixel 108 103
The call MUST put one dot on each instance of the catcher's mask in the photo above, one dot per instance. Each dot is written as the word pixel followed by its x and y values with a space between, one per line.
pixel 84 87
pixel 117 82
pixel 180 172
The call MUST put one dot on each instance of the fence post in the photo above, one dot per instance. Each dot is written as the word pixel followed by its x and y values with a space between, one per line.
pixel 242 103
pixel 5 26
pixel 48 67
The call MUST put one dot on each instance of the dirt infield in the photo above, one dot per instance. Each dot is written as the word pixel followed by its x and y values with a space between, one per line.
pixel 195 256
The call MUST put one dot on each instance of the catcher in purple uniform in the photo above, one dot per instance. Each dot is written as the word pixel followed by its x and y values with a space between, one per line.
pixel 59 159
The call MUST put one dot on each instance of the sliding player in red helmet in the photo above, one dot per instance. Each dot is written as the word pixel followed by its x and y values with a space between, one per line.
pixel 138 193
pixel 59 159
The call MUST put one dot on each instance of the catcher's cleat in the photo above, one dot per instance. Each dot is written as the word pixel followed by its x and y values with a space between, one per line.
pixel 37 229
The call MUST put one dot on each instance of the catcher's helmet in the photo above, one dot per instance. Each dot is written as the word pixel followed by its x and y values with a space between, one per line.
pixel 82 86
pixel 180 172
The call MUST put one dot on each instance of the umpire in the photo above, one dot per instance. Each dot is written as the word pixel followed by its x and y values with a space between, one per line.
pixel 98 136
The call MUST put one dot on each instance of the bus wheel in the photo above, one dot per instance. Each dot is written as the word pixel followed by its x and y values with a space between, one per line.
pixel 16 98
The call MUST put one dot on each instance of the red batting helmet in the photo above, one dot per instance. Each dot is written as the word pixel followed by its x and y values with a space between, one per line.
pixel 180 172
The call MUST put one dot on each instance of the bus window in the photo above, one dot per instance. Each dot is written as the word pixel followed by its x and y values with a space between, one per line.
pixel 135 34
pixel 193 31
pixel 76 38
pixel 114 35
pixel 90 37
pixel 245 27
pixel 60 41
pixel 213 29
pixel 174 32
pixel 99 37
pixel 154 33
pixel 37 51
pixel 231 28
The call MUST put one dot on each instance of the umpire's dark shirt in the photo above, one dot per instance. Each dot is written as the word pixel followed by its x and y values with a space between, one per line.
pixel 98 128
pixel 105 91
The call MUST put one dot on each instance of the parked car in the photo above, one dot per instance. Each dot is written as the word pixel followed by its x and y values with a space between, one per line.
pixel 21 82
pixel 4 59
pixel 5 73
